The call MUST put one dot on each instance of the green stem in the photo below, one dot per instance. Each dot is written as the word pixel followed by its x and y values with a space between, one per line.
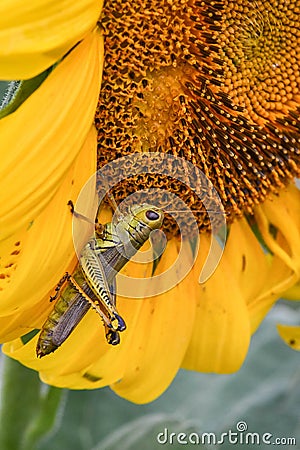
pixel 29 409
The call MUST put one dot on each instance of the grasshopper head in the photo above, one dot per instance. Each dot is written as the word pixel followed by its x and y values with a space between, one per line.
pixel 149 214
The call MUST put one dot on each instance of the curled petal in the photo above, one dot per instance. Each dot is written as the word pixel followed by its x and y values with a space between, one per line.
pixel 291 335
pixel 278 220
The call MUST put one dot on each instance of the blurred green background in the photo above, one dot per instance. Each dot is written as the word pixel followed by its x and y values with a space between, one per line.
pixel 264 393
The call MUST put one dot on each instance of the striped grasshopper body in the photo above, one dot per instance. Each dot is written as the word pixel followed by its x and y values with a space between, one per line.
pixel 93 282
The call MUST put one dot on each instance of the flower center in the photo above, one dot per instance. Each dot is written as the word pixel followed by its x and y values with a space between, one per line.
pixel 216 82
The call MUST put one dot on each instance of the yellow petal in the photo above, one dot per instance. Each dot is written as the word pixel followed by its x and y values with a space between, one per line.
pixel 36 34
pixel 283 268
pixel 255 273
pixel 19 324
pixel 158 336
pixel 247 259
pixel 221 333
pixel 291 335
pixel 46 248
pixel 40 141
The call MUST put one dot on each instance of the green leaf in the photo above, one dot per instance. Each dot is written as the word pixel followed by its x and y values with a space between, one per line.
pixel 16 92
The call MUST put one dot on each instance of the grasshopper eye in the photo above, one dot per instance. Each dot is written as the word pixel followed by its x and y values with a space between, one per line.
pixel 152 215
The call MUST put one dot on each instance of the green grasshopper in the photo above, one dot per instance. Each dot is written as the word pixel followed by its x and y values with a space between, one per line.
pixel 93 283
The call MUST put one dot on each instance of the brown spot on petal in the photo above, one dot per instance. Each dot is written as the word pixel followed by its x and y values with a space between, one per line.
pixel 243 263
pixel 91 377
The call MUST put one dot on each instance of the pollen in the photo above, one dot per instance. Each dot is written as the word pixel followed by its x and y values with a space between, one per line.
pixel 215 82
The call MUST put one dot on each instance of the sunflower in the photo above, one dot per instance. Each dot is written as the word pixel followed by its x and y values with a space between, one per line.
pixel 214 82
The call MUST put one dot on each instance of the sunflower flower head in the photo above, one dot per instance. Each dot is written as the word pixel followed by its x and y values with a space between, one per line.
pixel 215 83
pixel 208 81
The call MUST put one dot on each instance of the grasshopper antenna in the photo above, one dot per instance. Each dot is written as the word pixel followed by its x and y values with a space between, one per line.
pixel 109 196
pixel 112 201
pixel 195 210
pixel 78 215
pixel 220 211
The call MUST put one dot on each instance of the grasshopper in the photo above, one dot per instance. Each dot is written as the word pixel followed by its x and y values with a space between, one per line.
pixel 93 283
